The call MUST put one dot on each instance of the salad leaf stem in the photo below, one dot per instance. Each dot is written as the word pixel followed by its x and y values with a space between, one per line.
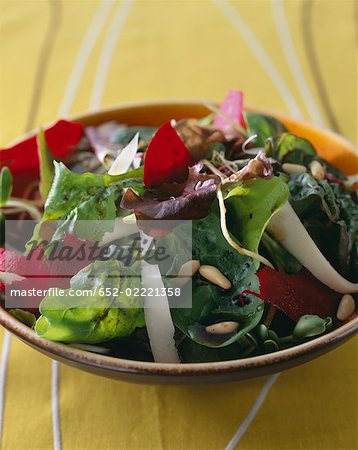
pixel 232 122
pixel 25 206
pixel 213 169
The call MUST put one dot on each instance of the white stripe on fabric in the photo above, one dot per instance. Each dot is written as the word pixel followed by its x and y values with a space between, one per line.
pixel 3 371
pixel 55 403
pixel 263 58
pixel 278 13
pixel 83 55
pixel 108 47
pixel 252 413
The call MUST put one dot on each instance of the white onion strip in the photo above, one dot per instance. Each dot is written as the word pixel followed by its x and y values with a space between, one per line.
pixel 158 320
pixel 124 160
pixel 286 227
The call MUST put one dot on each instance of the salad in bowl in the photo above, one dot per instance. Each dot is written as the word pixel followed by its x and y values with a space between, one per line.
pixel 260 235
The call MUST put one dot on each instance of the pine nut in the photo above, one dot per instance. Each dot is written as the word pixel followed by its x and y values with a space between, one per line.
pixel 186 271
pixel 214 275
pixel 293 168
pixel 222 327
pixel 317 170
pixel 346 307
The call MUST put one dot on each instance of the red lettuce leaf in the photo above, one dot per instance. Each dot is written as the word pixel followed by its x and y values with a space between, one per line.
pixel 192 202
pixel 99 138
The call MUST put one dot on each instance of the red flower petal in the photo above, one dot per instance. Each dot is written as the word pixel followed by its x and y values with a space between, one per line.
pixel 63 135
pixel 166 159
pixel 232 107
pixel 297 294
pixel 23 157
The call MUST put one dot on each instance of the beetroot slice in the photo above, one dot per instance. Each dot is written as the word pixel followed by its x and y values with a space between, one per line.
pixel 297 294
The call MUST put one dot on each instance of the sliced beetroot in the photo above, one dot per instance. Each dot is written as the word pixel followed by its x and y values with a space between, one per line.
pixel 167 159
pixel 23 156
pixel 70 257
pixel 297 294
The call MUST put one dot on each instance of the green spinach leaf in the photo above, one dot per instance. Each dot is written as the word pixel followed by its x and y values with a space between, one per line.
pixel 209 302
pixel 264 126
pixel 289 148
pixel 83 197
pixel 100 311
pixel 125 134
pixel 330 214
pixel 250 207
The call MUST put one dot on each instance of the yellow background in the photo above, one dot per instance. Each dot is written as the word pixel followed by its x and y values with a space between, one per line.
pixel 178 49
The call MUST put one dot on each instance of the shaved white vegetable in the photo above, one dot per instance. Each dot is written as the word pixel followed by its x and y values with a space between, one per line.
pixel 131 218
pixel 8 277
pixel 286 227
pixel 124 160
pixel 91 348
pixel 122 228
pixel 158 320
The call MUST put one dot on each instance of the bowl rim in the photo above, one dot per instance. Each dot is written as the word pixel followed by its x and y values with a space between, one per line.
pixel 122 365
pixel 132 366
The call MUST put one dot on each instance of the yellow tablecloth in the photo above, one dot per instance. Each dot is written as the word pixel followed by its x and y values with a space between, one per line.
pixel 63 57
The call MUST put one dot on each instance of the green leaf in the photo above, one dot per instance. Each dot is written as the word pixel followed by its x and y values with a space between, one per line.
pixel 103 314
pixel 307 194
pixel 264 126
pixel 83 197
pixel 211 304
pixel 46 165
pixel 289 148
pixel 210 247
pixel 2 228
pixel 281 257
pixel 250 207
pixel 5 185
pixel 25 317
pixel 310 326
pixel 247 315
pixel 124 135
pixel 330 215
pixel 191 352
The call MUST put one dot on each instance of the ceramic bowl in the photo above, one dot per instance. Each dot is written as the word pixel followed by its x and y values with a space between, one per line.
pixel 334 148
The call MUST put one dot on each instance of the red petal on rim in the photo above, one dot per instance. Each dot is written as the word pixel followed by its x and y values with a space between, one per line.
pixel 232 107
pixel 297 294
pixel 23 157
pixel 166 159
pixel 63 135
